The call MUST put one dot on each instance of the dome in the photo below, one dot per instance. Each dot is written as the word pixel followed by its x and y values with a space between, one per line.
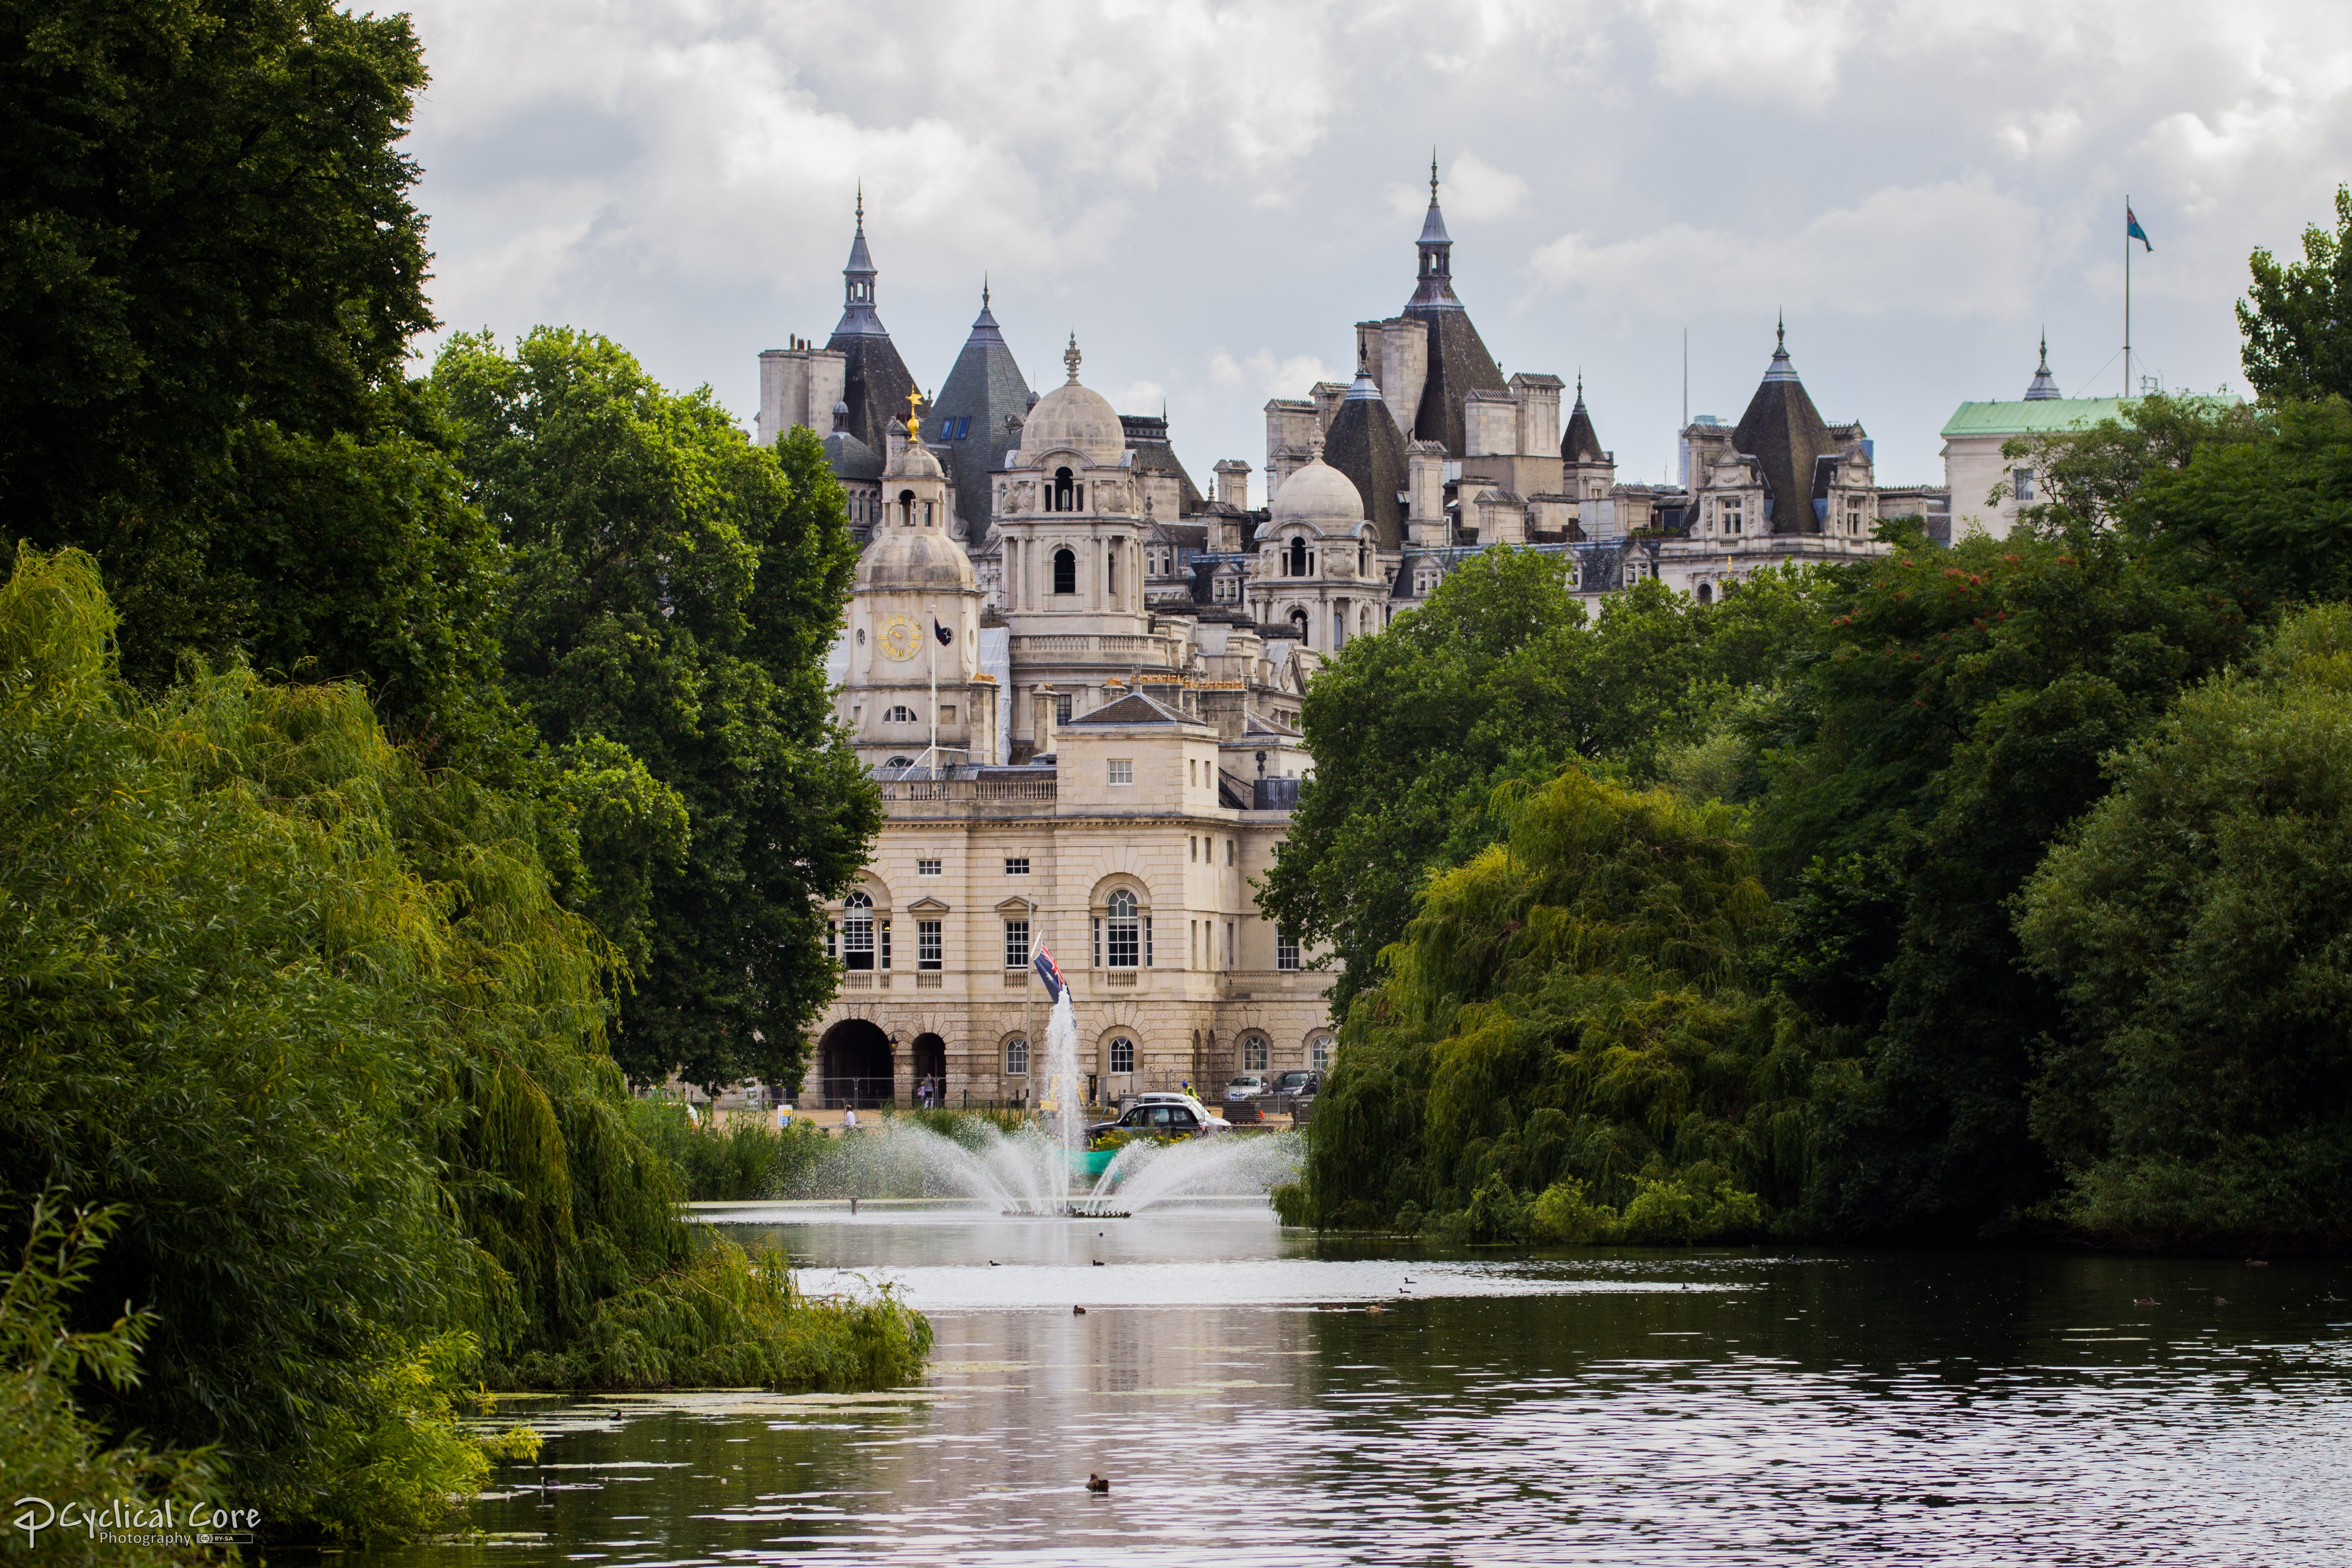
pixel 914 461
pixel 1075 418
pixel 1319 496
pixel 919 558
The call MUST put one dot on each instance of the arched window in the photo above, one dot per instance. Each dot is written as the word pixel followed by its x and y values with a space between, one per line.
pixel 899 763
pixel 1122 1053
pixel 857 932
pixel 1111 569
pixel 1252 1053
pixel 1066 570
pixel 906 509
pixel 1016 1057
pixel 1063 492
pixel 1364 620
pixel 1298 567
pixel 1318 1051
pixel 1124 932
pixel 1298 619
pixel 1363 561
pixel 1707 593
pixel 900 714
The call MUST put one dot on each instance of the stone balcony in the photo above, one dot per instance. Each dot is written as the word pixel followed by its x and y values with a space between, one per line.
pixel 920 799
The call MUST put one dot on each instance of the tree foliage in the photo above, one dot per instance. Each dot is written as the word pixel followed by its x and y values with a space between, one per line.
pixel 2198 922
pixel 675 590
pixel 2297 315
pixel 1570 1015
pixel 1503 675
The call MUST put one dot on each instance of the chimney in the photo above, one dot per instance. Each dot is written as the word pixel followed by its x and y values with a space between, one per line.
pixel 1041 722
pixel 1233 484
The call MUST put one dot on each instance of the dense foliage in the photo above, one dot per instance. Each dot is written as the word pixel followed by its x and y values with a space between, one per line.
pixel 675 589
pixel 2297 316
pixel 1501 676
pixel 311 1021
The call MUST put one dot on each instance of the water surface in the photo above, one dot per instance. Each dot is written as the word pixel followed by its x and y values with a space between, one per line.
pixel 1250 1404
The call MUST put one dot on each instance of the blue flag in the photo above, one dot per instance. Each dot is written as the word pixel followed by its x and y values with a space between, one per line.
pixel 2132 229
pixel 940 632
pixel 1049 973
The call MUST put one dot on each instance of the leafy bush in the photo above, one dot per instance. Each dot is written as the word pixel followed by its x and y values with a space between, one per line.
pixel 736 1160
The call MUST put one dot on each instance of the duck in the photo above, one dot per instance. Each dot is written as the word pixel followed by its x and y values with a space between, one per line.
pixel 1098 1263
pixel 1077 1311
pixel 1095 1483
pixel 2146 1301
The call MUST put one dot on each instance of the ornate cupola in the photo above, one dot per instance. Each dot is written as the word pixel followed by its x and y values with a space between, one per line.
pixel 2044 385
pixel 874 382
pixel 1437 286
pixel 857 317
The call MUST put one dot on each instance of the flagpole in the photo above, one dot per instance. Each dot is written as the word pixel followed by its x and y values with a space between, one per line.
pixel 932 637
pixel 2128 223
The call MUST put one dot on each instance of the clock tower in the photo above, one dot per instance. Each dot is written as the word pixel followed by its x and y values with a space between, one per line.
pixel 916 696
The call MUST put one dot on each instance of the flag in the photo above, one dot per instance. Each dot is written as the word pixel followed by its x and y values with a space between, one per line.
pixel 940 632
pixel 2132 229
pixel 1049 973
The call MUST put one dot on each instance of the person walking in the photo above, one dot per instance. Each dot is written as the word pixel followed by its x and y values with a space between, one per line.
pixel 849 1119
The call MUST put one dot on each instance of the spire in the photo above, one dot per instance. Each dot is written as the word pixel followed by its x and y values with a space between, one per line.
pixel 1782 369
pixel 2044 385
pixel 1364 389
pixel 857 317
pixel 1580 443
pixel 1436 276
pixel 984 326
pixel 1070 357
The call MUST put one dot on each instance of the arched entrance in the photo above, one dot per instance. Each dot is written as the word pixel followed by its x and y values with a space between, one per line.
pixel 854 1065
pixel 930 1060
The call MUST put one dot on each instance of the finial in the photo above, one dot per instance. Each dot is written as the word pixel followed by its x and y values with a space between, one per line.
pixel 1315 446
pixel 861 207
pixel 1579 383
pixel 1070 357
pixel 1780 332
pixel 1433 174
pixel 983 290
pixel 915 416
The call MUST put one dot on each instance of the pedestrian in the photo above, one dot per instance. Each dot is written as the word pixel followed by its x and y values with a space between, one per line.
pixel 849 1119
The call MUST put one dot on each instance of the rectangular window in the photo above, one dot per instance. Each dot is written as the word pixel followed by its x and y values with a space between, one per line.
pixel 1228 944
pixel 2023 479
pixel 927 867
pixel 1192 849
pixel 1016 865
pixel 1146 941
pixel 1193 943
pixel 1123 934
pixel 927 944
pixel 883 927
pixel 1122 770
pixel 1285 950
pixel 1016 944
pixel 1062 708
pixel 833 939
pixel 1229 851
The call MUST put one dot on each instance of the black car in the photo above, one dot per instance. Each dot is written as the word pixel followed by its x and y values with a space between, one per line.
pixel 1282 1095
pixel 1163 1119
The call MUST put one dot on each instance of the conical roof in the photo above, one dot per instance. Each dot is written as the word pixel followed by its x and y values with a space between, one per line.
pixel 1785 434
pixel 1364 444
pixel 967 426
pixel 875 381
pixel 1459 363
pixel 1580 444
pixel 2044 385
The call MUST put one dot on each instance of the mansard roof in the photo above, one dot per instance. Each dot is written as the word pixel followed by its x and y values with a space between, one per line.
pixel 983 389
pixel 1785 434
pixel 1364 444
pixel 1459 364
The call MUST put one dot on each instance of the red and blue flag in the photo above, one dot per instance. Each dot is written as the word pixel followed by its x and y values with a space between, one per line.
pixel 2132 229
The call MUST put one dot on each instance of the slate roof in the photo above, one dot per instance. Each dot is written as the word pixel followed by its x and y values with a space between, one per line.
pixel 967 430
pixel 1147 437
pixel 1581 444
pixel 1134 708
pixel 1459 364
pixel 1784 433
pixel 877 380
pixel 1365 444
pixel 852 459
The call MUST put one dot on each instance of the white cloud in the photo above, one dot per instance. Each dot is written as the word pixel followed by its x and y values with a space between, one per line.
pixel 1263 374
pixel 1959 248
pixel 1783 51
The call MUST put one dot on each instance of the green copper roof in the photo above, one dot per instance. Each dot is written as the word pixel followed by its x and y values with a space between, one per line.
pixel 2039 417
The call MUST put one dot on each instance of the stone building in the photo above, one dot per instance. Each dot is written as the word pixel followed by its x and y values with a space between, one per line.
pixel 1988 489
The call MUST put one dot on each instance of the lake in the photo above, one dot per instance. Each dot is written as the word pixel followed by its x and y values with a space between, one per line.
pixel 1258 1395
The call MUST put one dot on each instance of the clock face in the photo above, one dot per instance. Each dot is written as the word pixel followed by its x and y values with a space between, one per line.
pixel 900 637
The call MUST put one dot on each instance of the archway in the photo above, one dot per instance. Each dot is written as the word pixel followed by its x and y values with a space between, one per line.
pixel 929 1059
pixel 854 1065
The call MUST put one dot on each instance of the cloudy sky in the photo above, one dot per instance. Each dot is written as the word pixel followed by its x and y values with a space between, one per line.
pixel 1210 195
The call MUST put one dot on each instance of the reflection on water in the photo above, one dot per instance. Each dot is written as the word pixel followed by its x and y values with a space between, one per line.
pixel 1249 1405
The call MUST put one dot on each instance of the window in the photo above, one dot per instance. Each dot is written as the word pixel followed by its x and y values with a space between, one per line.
pixel 1066 570
pixel 927 944
pixel 1226 590
pixel 857 932
pixel 906 509
pixel 1229 851
pixel 2022 484
pixel 899 763
pixel 1298 566
pixel 1228 944
pixel 1016 944
pixel 1319 1052
pixel 882 928
pixel 1122 770
pixel 1299 624
pixel 1016 865
pixel 1064 495
pixel 1125 931
pixel 1122 1053
pixel 927 867
pixel 1110 569
pixel 900 714
pixel 1424 583
pixel 1729 513
pixel 1853 518
pixel 1192 849
pixel 1285 950
pixel 1061 707
pixel 1253 1054
pixel 1363 561
pixel 1016 1057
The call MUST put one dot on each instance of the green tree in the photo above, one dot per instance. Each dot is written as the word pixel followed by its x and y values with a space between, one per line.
pixel 1571 1009
pixel 675 590
pixel 2297 315
pixel 1951 722
pixel 2199 924
pixel 211 274
pixel 1503 675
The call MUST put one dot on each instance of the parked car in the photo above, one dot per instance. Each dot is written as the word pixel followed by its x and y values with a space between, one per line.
pixel 1242 1096
pixel 1281 1096
pixel 1170 1116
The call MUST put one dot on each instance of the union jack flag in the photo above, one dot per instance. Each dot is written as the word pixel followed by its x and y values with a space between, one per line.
pixel 1047 973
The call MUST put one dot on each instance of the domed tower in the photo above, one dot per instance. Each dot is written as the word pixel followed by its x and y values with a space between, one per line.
pixel 1071 516
pixel 1321 570
pixel 915 694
